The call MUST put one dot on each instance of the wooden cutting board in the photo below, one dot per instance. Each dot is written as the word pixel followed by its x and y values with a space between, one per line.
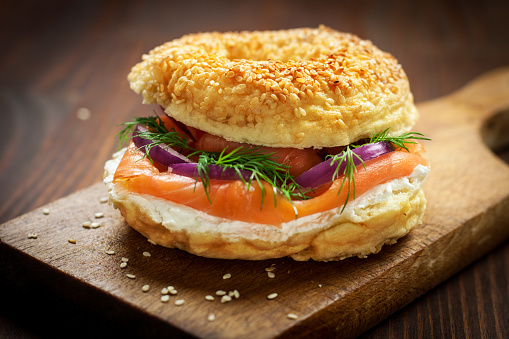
pixel 468 196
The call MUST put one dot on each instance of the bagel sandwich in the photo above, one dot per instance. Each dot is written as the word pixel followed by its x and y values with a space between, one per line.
pixel 269 144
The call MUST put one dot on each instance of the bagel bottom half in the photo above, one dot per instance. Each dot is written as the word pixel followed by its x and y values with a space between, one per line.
pixel 380 216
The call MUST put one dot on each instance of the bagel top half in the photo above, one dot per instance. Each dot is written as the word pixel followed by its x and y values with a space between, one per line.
pixel 291 88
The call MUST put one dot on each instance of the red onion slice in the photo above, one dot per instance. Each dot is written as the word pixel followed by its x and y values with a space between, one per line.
pixel 164 155
pixel 324 171
pixel 180 164
pixel 215 172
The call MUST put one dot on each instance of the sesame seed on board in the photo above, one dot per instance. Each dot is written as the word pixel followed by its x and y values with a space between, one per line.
pixel 272 296
pixel 225 299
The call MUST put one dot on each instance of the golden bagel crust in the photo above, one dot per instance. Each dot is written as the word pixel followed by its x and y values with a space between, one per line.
pixel 290 88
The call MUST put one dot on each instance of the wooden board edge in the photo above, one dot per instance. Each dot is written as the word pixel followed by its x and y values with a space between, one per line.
pixel 342 320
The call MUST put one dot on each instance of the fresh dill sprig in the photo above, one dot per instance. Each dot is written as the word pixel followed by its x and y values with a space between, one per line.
pixel 347 156
pixel 157 133
pixel 399 141
pixel 261 165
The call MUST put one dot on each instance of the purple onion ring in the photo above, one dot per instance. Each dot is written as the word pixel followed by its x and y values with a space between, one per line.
pixel 215 172
pixel 164 155
pixel 324 171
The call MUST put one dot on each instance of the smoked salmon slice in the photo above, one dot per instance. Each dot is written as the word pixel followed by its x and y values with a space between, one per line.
pixel 235 201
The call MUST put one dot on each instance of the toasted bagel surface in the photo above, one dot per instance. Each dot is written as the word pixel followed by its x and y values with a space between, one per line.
pixel 290 88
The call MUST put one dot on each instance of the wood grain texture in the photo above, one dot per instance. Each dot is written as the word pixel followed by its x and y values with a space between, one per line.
pixel 63 56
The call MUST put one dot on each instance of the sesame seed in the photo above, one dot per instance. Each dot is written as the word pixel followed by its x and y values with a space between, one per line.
pixel 271 275
pixel 272 296
pixel 220 292
pixel 164 290
pixel 83 113
pixel 130 276
pixel 165 298
pixel 269 269
pixel 110 252
pixel 170 288
pixel 227 276
pixel 292 316
pixel 72 241
pixel 211 317
pixel 103 200
pixel 99 215
pixel 45 211
pixel 173 292
pixel 32 235
pixel 95 225
pixel 125 259
pixel 209 297
pixel 180 302
pixel 123 265
pixel 225 299
pixel 145 288
pixel 236 294
pixel 86 224
pixel 146 254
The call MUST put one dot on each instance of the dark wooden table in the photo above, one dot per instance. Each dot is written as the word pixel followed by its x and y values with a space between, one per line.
pixel 63 88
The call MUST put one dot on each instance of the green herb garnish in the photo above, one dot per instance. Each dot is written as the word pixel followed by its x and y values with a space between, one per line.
pixel 400 141
pixel 347 156
pixel 157 133
pixel 262 166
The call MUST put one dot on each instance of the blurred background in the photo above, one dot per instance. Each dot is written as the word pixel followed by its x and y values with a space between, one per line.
pixel 63 88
